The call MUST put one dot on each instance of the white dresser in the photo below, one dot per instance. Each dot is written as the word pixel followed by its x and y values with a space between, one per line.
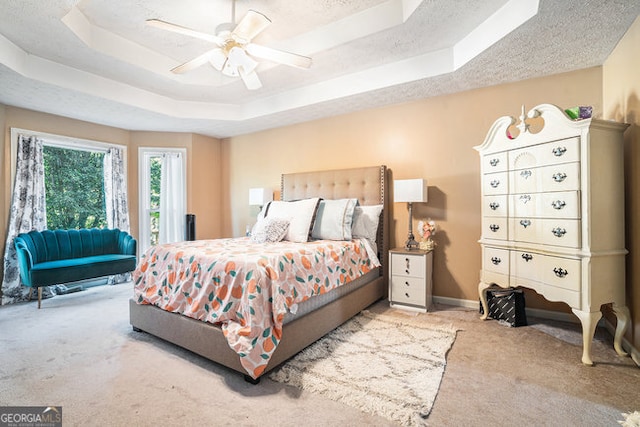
pixel 553 213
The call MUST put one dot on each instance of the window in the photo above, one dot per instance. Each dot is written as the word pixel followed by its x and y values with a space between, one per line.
pixel 74 184
pixel 150 166
pixel 74 179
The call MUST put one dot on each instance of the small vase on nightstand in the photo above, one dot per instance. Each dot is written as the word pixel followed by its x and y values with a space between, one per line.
pixel 427 244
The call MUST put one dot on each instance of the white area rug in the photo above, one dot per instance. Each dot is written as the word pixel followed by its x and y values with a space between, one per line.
pixel 380 364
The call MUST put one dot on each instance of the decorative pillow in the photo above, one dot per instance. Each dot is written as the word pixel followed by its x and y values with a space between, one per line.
pixel 269 230
pixel 300 213
pixel 365 222
pixel 334 219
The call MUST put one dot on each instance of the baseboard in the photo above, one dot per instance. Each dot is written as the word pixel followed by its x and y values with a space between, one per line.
pixel 547 314
pixel 533 312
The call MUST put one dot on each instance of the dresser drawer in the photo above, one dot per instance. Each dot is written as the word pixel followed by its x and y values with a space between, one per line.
pixel 495 228
pixel 555 232
pixel 407 265
pixel 495 183
pixel 495 260
pixel 408 290
pixel 564 177
pixel 564 204
pixel 496 162
pixel 550 153
pixel 495 205
pixel 559 272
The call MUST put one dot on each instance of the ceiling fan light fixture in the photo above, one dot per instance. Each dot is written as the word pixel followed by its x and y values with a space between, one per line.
pixel 217 59
pixel 233 51
pixel 238 57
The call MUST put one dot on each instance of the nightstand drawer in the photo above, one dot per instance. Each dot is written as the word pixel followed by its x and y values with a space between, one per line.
pixel 408 265
pixel 408 290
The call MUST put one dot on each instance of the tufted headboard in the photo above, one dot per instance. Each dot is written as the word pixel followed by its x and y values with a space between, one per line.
pixel 367 184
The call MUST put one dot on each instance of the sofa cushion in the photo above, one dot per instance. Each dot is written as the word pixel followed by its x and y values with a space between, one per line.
pixel 73 269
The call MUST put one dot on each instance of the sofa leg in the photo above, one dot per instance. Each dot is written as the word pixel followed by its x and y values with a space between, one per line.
pixel 31 293
pixel 39 296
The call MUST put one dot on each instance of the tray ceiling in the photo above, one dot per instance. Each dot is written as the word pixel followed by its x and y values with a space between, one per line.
pixel 96 60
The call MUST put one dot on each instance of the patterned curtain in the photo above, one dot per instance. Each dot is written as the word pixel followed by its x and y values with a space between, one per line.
pixel 28 212
pixel 115 195
pixel 115 190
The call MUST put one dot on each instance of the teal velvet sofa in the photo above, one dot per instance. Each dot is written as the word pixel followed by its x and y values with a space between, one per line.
pixel 53 257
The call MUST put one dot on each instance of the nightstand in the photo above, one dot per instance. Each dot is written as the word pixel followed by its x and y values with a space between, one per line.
pixel 410 280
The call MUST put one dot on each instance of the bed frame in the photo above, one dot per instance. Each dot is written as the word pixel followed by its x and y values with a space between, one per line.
pixel 369 185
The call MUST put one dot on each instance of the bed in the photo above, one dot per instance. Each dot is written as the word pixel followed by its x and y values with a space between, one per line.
pixel 306 319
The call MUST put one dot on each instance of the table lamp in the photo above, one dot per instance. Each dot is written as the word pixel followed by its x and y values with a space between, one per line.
pixel 410 191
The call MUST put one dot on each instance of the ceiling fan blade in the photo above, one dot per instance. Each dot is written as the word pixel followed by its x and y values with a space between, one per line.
pixel 251 25
pixel 279 56
pixel 251 80
pixel 163 25
pixel 195 62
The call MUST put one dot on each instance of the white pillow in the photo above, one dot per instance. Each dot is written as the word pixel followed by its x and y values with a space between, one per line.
pixel 269 230
pixel 365 222
pixel 334 219
pixel 300 213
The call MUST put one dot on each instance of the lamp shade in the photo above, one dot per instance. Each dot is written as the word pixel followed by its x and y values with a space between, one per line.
pixel 260 196
pixel 410 190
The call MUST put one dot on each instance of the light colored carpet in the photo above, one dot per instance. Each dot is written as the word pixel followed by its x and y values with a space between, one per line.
pixel 79 352
pixel 379 364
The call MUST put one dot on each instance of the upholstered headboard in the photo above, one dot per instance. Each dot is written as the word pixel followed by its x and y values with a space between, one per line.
pixel 367 184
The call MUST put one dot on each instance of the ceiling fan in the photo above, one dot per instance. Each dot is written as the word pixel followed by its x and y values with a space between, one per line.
pixel 234 53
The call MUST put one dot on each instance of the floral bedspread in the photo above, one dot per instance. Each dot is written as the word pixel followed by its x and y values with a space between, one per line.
pixel 246 287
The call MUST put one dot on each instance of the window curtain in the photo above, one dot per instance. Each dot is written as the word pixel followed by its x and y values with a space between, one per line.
pixel 116 202
pixel 28 212
pixel 172 206
pixel 115 190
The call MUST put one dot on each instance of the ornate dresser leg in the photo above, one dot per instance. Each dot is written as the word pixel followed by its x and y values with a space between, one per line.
pixel 482 292
pixel 622 314
pixel 589 322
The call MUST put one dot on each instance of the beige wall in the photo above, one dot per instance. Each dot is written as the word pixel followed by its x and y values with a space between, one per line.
pixel 621 100
pixel 431 139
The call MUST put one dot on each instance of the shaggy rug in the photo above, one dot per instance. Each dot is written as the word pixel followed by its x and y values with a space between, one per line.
pixel 379 364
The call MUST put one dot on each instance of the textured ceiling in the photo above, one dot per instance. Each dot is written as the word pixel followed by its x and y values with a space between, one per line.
pixel 96 60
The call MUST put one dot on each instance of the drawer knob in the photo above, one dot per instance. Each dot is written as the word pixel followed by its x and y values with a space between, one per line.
pixel 495 183
pixel 559 232
pixel 525 174
pixel 406 283
pixel 406 294
pixel 525 223
pixel 559 151
pixel 494 227
pixel 560 272
pixel 527 257
pixel 525 198
pixel 495 260
pixel 559 177
pixel 558 204
pixel 494 162
pixel 494 205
